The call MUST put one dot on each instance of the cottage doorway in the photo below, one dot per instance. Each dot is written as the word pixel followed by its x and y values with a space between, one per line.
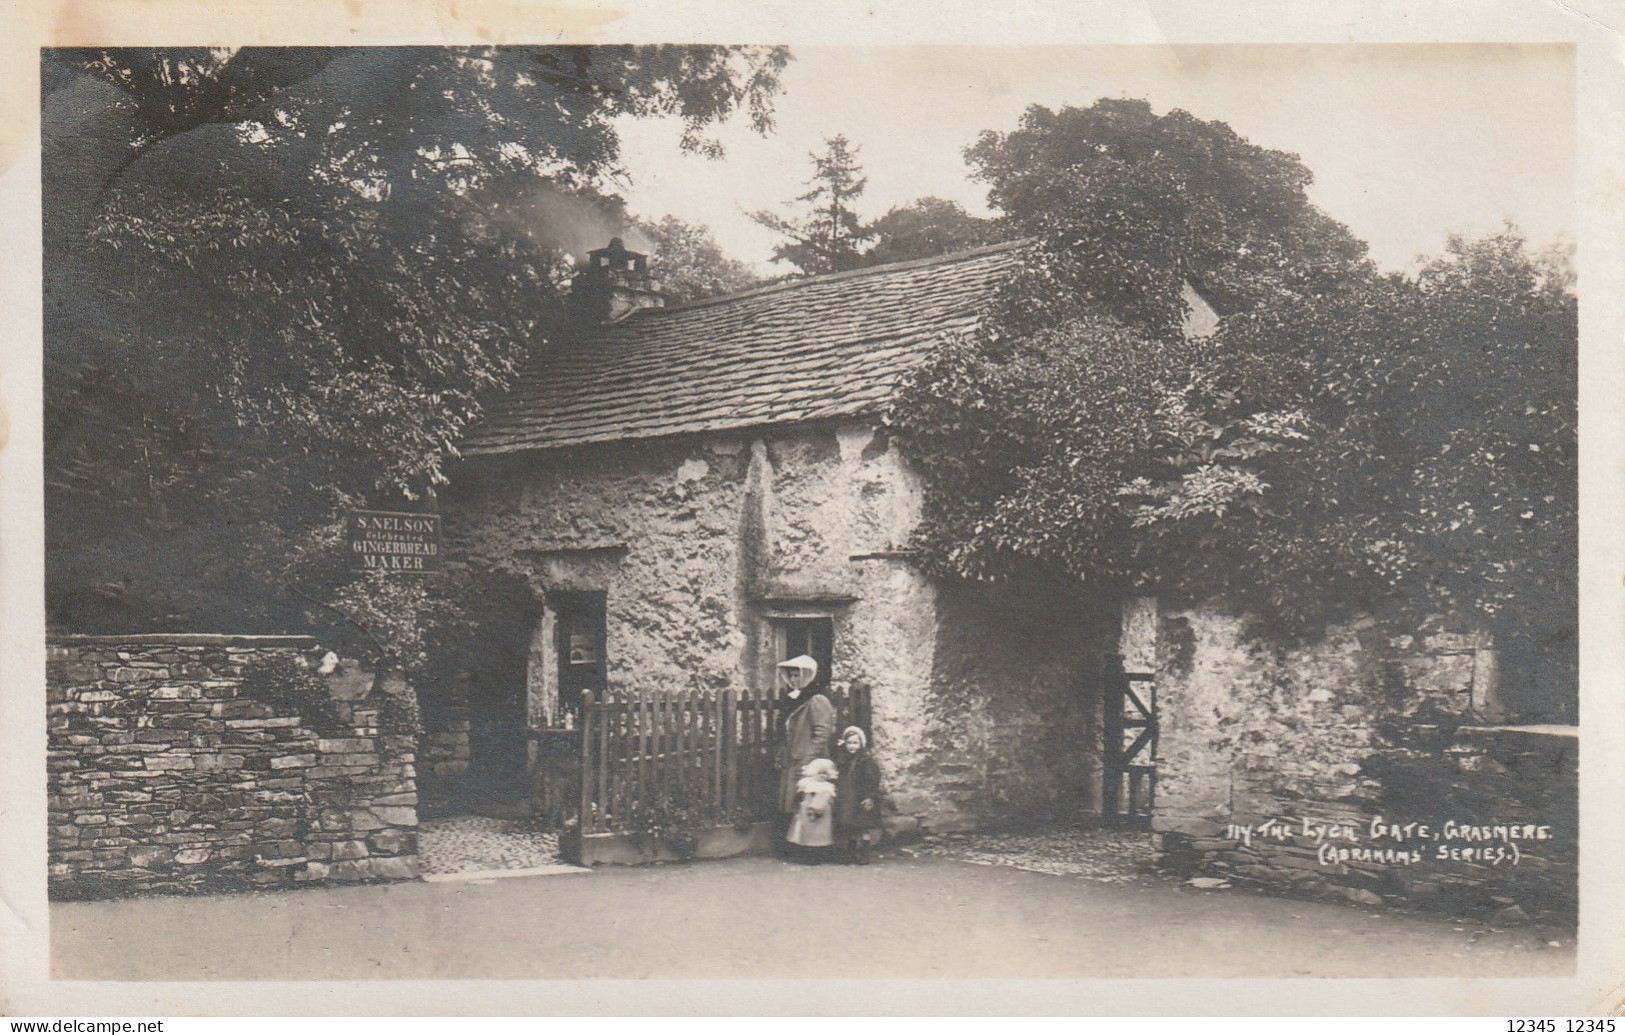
pixel 482 824
pixel 497 734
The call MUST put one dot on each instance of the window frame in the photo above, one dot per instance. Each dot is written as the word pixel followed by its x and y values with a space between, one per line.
pixel 577 613
pixel 805 627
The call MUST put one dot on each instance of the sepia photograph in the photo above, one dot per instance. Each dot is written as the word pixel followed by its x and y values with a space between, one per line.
pixel 834 511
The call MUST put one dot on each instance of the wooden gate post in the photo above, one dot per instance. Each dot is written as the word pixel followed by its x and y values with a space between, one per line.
pixel 588 716
pixel 1113 683
pixel 730 756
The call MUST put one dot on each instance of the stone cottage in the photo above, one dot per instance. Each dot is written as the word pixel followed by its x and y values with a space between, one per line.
pixel 687 496
pixel 693 494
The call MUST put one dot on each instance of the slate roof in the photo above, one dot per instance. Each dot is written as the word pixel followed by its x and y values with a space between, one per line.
pixel 804 350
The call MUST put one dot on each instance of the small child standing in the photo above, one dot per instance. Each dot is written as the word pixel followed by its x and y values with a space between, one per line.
pixel 812 828
pixel 857 802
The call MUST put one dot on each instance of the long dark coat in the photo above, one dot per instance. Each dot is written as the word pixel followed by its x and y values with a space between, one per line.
pixel 860 779
pixel 808 733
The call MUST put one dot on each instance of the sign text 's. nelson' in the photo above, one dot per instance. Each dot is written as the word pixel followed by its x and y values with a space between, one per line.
pixel 381 540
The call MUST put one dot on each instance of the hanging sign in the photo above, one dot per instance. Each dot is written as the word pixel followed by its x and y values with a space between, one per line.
pixel 386 540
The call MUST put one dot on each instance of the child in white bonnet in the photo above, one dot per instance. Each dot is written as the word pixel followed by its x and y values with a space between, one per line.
pixel 812 828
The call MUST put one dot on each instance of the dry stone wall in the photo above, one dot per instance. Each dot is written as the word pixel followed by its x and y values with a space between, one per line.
pixel 443 758
pixel 444 747
pixel 165 776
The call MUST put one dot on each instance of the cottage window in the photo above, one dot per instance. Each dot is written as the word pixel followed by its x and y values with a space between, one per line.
pixel 581 637
pixel 812 636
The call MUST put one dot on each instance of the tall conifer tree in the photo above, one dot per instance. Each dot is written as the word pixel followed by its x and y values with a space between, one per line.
pixel 828 236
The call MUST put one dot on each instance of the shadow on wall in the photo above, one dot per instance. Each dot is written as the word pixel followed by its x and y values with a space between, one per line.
pixel 1014 709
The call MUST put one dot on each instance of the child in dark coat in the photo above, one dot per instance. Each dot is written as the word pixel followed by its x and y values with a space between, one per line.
pixel 857 797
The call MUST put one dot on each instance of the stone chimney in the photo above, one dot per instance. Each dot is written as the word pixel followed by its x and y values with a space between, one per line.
pixel 613 282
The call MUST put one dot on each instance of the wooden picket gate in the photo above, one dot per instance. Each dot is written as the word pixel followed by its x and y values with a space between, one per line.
pixel 711 753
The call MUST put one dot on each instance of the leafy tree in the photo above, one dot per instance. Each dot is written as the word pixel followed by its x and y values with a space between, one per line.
pixel 924 228
pixel 172 91
pixel 1347 441
pixel 828 236
pixel 690 264
pixel 377 97
pixel 1128 206
pixel 278 284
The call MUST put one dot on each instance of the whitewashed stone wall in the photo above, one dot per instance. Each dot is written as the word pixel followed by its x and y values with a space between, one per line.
pixel 1362 723
pixel 981 709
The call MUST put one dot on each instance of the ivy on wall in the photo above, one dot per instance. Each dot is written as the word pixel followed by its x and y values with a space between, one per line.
pixel 1348 441
pixel 291 688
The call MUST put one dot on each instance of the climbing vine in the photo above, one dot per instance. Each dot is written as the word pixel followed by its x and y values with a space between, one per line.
pixel 291 688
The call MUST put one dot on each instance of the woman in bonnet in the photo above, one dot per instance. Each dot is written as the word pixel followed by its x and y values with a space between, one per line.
pixel 809 730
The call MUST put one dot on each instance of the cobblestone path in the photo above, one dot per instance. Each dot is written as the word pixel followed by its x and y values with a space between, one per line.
pixel 468 844
pixel 1107 856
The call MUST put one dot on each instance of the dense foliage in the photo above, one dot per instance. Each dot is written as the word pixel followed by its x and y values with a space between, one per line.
pixel 279 283
pixel 828 235
pixel 1347 442
pixel 926 227
pixel 688 262
pixel 292 688
pixel 1128 206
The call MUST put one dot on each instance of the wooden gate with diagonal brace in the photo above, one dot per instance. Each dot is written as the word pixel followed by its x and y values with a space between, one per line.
pixel 1129 704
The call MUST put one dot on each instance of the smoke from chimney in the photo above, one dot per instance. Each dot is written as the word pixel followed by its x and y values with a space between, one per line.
pixel 560 221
